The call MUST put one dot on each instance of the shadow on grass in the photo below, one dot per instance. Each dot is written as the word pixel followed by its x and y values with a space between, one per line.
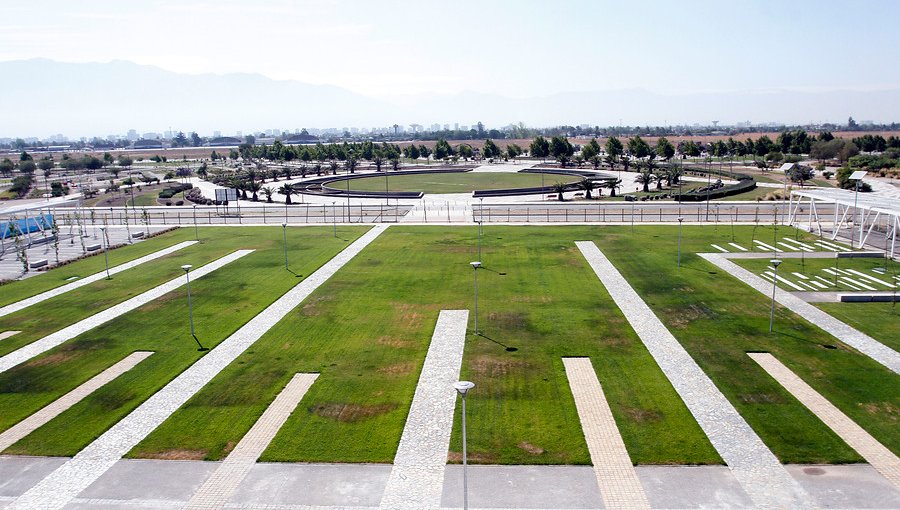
pixel 501 344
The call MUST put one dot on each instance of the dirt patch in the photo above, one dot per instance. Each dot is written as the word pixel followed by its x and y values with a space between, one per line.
pixel 531 299
pixel 411 315
pixel 886 408
pixel 530 448
pixel 402 368
pixel 394 342
pixel 681 317
pixel 177 454
pixel 489 366
pixel 639 415
pixel 760 398
pixel 473 458
pixel 509 320
pixel 228 447
pixel 53 359
pixel 162 301
pixel 351 413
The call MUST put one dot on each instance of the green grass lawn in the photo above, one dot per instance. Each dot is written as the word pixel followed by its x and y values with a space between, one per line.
pixel 814 268
pixel 223 301
pixel 454 182
pixel 21 289
pixel 881 321
pixel 719 320
pixel 367 331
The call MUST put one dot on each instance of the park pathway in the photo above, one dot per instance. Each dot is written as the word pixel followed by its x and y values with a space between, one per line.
pixel 843 332
pixel 219 487
pixel 62 485
pixel 875 453
pixel 758 471
pixel 13 434
pixel 54 339
pixel 417 477
pixel 619 484
pixel 19 305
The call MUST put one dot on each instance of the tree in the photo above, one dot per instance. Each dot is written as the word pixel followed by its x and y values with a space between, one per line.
pixel 587 185
pixel 180 140
pixel 7 167
pixel 25 157
pixel 664 149
pixel 561 149
pixel 490 149
pixel 196 141
pixel 268 191
pixel 395 164
pixel 645 177
pixel 800 173
pixel 124 161
pixel 612 185
pixel 287 190
pixel 350 164
pixel 638 147
pixel 673 174
pixel 379 161
pixel 27 167
pixel 540 147
pixel 559 188
pixel 614 150
pixel 513 151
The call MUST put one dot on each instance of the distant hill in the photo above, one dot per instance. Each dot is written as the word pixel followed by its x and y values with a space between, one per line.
pixel 40 97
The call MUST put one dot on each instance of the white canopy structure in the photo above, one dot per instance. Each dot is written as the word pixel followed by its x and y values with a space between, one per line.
pixel 865 211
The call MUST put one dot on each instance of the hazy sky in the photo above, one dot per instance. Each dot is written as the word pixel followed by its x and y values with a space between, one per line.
pixel 515 48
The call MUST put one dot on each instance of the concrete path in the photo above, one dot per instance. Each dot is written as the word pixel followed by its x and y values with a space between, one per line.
pixel 52 340
pixel 850 336
pixel 219 487
pixel 13 434
pixel 867 446
pixel 65 483
pixel 757 470
pixel 19 305
pixel 6 334
pixel 417 477
pixel 618 482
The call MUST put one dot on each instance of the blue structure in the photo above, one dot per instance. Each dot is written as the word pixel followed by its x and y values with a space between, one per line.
pixel 26 226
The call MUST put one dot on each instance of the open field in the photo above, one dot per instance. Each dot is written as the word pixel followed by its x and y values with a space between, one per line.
pixel 366 331
pixel 455 182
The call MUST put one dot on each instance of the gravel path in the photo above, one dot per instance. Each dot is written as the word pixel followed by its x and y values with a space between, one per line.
pixel 66 482
pixel 619 484
pixel 218 488
pixel 52 340
pixel 54 409
pixel 758 471
pixel 417 477
pixel 19 305
pixel 850 336
pixel 867 446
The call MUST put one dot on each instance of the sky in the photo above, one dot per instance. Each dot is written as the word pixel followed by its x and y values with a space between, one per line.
pixel 513 48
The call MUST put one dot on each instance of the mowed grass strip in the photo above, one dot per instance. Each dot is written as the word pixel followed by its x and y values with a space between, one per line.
pixel 718 319
pixel 223 301
pixel 880 321
pixel 453 182
pixel 367 331
pixel 21 289
pixel 38 321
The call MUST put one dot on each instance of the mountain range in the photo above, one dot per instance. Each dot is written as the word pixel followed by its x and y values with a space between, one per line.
pixel 39 97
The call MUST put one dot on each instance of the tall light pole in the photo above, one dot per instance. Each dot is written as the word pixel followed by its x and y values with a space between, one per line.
pixel 463 387
pixel 187 274
pixel 680 220
pixel 775 263
pixel 856 176
pixel 196 231
pixel 284 231
pixel 475 266
pixel 105 242
pixel 333 219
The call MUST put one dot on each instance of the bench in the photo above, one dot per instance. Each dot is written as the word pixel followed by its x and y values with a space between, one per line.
pixel 38 263
pixel 93 247
pixel 139 233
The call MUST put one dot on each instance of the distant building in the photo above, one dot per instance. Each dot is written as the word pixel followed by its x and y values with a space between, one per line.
pixel 224 141
pixel 145 143
pixel 301 139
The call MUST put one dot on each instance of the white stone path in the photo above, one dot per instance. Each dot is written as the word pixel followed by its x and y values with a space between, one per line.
pixel 867 446
pixel 67 481
pixel 417 477
pixel 754 466
pixel 619 484
pixel 19 305
pixel 220 486
pixel 6 334
pixel 52 340
pixel 13 434
pixel 843 332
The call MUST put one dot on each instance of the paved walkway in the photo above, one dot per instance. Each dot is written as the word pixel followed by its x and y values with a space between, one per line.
pixel 52 340
pixel 13 434
pixel 19 305
pixel 66 482
pixel 867 446
pixel 417 476
pixel 850 336
pixel 755 467
pixel 619 484
pixel 219 487
pixel 6 334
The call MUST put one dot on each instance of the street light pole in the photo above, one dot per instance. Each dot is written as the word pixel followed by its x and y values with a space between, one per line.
pixel 196 231
pixel 680 220
pixel 463 387
pixel 775 263
pixel 333 219
pixel 187 274
pixel 105 242
pixel 284 231
pixel 475 266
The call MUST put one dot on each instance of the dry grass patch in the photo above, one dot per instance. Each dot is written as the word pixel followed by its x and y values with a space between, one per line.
pixel 351 413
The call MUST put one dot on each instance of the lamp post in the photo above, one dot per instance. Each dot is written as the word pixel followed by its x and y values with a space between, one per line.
pixel 284 232
pixel 475 266
pixel 196 231
pixel 856 176
pixel 105 242
pixel 463 387
pixel 680 221
pixel 775 263
pixel 187 274
pixel 333 219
